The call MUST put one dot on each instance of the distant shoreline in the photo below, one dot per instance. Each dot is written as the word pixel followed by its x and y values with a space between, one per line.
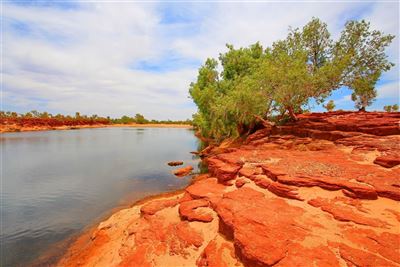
pixel 17 128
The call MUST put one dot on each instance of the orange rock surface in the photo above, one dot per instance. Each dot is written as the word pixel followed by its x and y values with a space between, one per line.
pixel 183 171
pixel 323 191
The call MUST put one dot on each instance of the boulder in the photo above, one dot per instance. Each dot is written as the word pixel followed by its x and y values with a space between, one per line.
pixel 183 171
pixel 188 210
pixel 387 161
pixel 152 207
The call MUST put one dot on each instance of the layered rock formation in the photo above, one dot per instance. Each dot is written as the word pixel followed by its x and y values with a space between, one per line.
pixel 323 191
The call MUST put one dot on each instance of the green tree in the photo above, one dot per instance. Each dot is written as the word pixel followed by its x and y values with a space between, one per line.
pixel 237 63
pixel 391 108
pixel 28 115
pixel 139 118
pixel 289 77
pixel 330 105
pixel 246 86
pixel 361 53
pixel 125 120
pixel 363 94
pixel 316 40
pixel 387 108
pixel 35 113
pixel 45 115
pixel 303 68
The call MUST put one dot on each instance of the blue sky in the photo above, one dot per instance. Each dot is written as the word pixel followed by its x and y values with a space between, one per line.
pixel 124 57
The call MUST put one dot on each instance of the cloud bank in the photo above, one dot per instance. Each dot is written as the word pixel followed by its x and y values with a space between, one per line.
pixel 122 58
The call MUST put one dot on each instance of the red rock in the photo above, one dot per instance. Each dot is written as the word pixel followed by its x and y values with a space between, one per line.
pixel 247 171
pixel 155 206
pixel 332 151
pixel 215 255
pixel 387 161
pixel 155 235
pixel 345 213
pixel 186 197
pixel 187 211
pixel 224 171
pixel 276 188
pixel 208 188
pixel 260 134
pixel 358 257
pixel 137 258
pixel 183 171
pixel 395 213
pixel 240 182
pixel 187 235
pixel 333 171
pixel 316 256
pixel 175 163
pixel 253 221
pixel 385 244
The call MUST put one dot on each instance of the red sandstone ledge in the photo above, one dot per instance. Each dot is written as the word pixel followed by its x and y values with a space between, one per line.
pixel 323 191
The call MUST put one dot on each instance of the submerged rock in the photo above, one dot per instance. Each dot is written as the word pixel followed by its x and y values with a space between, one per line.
pixel 183 171
pixel 175 163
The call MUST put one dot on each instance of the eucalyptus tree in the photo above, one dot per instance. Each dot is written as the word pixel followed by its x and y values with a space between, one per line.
pixel 361 52
pixel 303 68
pixel 254 83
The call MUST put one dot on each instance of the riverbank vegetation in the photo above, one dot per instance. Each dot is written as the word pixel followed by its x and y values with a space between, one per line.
pixel 35 118
pixel 246 86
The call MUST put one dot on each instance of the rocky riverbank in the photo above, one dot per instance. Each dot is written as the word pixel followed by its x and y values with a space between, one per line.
pixel 20 128
pixel 323 191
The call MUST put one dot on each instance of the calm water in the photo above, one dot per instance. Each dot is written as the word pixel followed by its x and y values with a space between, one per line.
pixel 57 182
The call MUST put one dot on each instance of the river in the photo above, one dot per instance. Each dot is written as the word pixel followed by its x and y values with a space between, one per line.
pixel 56 183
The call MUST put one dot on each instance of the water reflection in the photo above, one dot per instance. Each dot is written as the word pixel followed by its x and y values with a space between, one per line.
pixel 57 182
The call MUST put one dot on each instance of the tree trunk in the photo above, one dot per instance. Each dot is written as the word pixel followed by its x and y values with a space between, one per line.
pixel 362 109
pixel 241 128
pixel 292 114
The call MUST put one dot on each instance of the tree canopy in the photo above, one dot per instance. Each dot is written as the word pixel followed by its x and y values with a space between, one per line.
pixel 246 85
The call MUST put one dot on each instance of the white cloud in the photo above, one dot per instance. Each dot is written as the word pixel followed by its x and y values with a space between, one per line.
pixel 81 59
pixel 344 99
pixel 389 91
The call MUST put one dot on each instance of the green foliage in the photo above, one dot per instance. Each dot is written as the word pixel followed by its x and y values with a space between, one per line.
pixel 363 94
pixel 387 108
pixel 35 117
pixel 330 105
pixel 82 119
pixel 315 38
pixel 126 120
pixel 391 108
pixel 255 84
pixel 139 118
pixel 361 53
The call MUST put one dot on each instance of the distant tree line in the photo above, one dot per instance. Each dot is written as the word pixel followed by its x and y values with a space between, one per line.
pixel 247 85
pixel 36 118
pixel 140 119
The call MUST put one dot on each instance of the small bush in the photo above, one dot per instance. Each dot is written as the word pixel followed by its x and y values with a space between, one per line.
pixel 330 106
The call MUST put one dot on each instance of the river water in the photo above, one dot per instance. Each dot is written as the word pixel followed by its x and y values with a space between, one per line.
pixel 55 183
